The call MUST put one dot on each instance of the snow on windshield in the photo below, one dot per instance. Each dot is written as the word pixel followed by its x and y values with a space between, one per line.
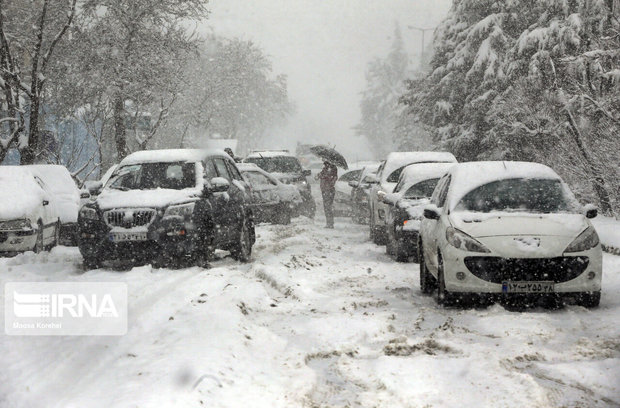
pixel 276 164
pixel 150 176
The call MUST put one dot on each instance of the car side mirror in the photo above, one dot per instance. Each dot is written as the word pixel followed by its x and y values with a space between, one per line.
pixel 46 202
pixel 354 184
pixel 93 187
pixel 306 173
pixel 590 211
pixel 381 195
pixel 219 185
pixel 431 212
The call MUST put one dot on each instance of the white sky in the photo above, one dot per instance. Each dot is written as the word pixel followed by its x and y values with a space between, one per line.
pixel 323 46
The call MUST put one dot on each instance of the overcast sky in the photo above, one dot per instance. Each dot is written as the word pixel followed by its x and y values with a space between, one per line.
pixel 324 47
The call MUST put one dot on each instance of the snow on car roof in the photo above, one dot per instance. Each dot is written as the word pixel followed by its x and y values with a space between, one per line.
pixel 20 192
pixel 269 153
pixel 57 177
pixel 396 160
pixel 170 155
pixel 245 167
pixel 468 176
pixel 417 172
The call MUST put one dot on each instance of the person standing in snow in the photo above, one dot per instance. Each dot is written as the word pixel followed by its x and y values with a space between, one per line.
pixel 328 177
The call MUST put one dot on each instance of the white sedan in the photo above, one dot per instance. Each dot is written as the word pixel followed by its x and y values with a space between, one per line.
pixel 509 230
pixel 29 219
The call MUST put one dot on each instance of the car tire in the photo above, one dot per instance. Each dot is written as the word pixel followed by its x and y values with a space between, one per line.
pixel 444 297
pixel 242 249
pixel 589 299
pixel 39 243
pixel 427 281
pixel 89 263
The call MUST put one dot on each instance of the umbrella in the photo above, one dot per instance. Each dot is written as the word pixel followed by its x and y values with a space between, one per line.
pixel 330 154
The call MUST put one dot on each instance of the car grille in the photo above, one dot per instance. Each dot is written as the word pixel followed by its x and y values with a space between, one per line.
pixel 129 217
pixel 498 270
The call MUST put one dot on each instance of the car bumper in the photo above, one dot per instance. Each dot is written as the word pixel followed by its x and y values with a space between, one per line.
pixel 559 270
pixel 171 239
pixel 12 242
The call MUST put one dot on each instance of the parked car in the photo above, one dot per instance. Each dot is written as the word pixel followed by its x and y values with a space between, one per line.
pixel 286 168
pixel 64 194
pixel 169 205
pixel 28 217
pixel 508 229
pixel 342 198
pixel 360 194
pixel 272 200
pixel 405 207
pixel 385 181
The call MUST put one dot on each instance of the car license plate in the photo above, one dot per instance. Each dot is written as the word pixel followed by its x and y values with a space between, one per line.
pixel 127 236
pixel 527 287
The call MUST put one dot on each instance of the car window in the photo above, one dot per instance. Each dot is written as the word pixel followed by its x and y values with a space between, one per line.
pixel 423 189
pixel 257 179
pixel 277 164
pixel 395 175
pixel 149 176
pixel 222 170
pixel 527 195
pixel 232 169
pixel 350 176
pixel 209 169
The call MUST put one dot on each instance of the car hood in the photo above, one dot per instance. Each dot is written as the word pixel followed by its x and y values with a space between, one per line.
pixel 158 198
pixel 479 225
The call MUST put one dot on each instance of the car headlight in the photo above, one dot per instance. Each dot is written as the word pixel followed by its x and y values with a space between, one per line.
pixel 461 240
pixel 181 210
pixel 586 240
pixel 89 213
pixel 21 224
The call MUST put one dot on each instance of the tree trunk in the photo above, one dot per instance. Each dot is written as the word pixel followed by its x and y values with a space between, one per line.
pixel 120 137
pixel 30 152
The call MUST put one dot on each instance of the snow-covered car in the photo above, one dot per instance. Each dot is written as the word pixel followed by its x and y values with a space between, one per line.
pixel 342 198
pixel 360 193
pixel 385 181
pixel 165 205
pixel 405 207
pixel 272 200
pixel 286 168
pixel 64 194
pixel 28 217
pixel 508 230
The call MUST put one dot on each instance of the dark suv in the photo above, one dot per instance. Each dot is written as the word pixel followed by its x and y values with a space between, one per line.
pixel 168 205
pixel 286 168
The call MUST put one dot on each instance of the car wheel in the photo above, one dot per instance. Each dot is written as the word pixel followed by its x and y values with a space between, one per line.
pixel 415 255
pixel 427 281
pixel 91 263
pixel 589 299
pixel 205 251
pixel 39 245
pixel 444 297
pixel 242 250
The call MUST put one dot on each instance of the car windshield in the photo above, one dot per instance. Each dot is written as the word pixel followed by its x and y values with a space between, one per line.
pixel 149 176
pixel 277 164
pixel 423 189
pixel 519 195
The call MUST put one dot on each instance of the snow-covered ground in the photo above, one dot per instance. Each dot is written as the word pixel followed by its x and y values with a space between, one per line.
pixel 321 318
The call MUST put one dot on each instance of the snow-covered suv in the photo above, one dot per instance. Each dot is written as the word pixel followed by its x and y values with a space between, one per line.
pixel 164 205
pixel 288 170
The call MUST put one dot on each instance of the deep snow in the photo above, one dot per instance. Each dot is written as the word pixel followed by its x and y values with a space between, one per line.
pixel 321 318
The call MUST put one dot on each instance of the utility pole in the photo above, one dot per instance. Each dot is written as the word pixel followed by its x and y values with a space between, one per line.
pixel 422 30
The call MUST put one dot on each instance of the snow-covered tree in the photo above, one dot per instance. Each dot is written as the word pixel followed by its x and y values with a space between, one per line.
pixel 380 100
pixel 30 32
pixel 535 80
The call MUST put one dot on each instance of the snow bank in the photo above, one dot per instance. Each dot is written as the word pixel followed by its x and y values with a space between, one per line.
pixel 608 230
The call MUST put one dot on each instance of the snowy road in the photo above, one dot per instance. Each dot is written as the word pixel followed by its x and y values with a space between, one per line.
pixel 321 318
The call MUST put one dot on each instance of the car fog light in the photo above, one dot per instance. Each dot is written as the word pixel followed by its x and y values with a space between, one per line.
pixel 460 275
pixel 591 275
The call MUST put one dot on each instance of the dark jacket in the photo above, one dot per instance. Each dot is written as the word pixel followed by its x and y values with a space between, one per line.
pixel 328 177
